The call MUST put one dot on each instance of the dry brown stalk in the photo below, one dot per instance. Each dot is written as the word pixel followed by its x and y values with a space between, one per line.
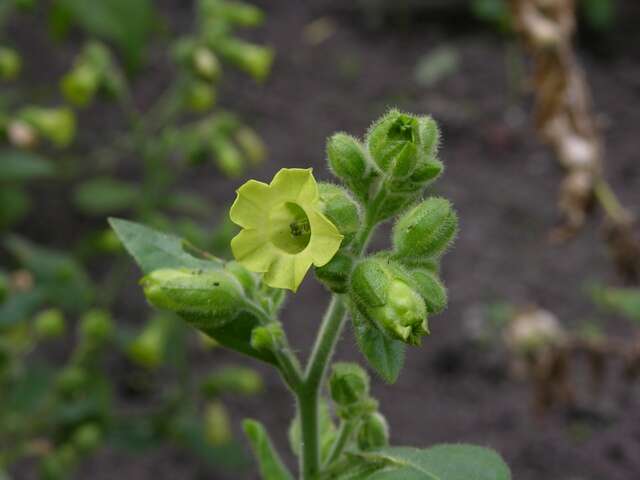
pixel 565 120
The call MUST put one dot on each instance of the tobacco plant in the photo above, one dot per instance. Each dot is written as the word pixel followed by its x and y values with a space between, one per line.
pixel 292 224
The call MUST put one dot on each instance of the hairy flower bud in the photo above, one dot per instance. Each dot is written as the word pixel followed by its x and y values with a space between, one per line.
pixel 341 209
pixel 217 426
pixel 335 274
pixel 148 348
pixel 58 125
pixel 392 142
pixel 87 437
pixel 238 380
pixel 227 157
pixel 256 60
pixel 207 299
pixel 267 338
pixel 251 144
pixel 80 85
pixel 348 383
pixel 426 230
pixel 431 289
pixel 10 63
pixel 97 326
pixel 373 433
pixel 387 298
pixel 205 63
pixel 348 161
pixel 49 323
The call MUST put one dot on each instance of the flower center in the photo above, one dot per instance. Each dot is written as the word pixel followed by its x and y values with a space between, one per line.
pixel 290 228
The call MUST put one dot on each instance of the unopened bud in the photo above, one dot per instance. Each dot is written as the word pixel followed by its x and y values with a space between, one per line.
pixel 97 326
pixel 431 289
pixel 373 433
pixel 256 60
pixel 393 143
pixel 227 157
pixel 348 384
pixel 206 64
pixel 217 426
pixel 49 323
pixel 426 230
pixel 58 125
pixel 238 380
pixel 348 161
pixel 386 298
pixel 206 299
pixel 201 96
pixel 267 338
pixel 10 63
pixel 80 85
pixel 251 144
pixel 341 209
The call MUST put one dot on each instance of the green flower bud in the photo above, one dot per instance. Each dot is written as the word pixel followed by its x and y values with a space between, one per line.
pixel 373 433
pixel 80 85
pixel 228 157
pixel 49 323
pixel 251 144
pixel 431 289
pixel 201 96
pixel 206 299
pixel 87 437
pixel 56 124
pixel 97 326
pixel 426 230
pixel 393 143
pixel 348 161
pixel 348 383
pixel 244 276
pixel 242 14
pixel 335 274
pixel 384 294
pixel 148 349
pixel 10 63
pixel 341 209
pixel 71 380
pixel 217 426
pixel 256 60
pixel 206 64
pixel 237 380
pixel 267 338
pixel 370 283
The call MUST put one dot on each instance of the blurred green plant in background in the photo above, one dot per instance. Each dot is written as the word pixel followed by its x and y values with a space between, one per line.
pixel 60 345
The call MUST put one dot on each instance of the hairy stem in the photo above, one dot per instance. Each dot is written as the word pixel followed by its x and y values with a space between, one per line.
pixel 347 427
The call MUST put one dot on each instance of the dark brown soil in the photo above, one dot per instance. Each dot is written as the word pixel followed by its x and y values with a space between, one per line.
pixel 503 183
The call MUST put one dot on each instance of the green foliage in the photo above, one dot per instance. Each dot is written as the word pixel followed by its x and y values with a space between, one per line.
pixel 271 467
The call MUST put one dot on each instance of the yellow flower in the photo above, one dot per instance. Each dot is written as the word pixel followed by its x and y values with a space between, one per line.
pixel 283 228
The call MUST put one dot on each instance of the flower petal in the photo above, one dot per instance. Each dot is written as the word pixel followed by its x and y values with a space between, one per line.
pixel 325 238
pixel 288 271
pixel 295 185
pixel 251 250
pixel 251 207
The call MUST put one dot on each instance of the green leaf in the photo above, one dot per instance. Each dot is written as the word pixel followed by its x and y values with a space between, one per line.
pixel 385 355
pixel 441 462
pixel 153 250
pixel 63 280
pixel 270 464
pixel 20 166
pixel 126 23
pixel 101 196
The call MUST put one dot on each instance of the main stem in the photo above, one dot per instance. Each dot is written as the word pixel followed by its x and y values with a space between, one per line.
pixel 308 392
